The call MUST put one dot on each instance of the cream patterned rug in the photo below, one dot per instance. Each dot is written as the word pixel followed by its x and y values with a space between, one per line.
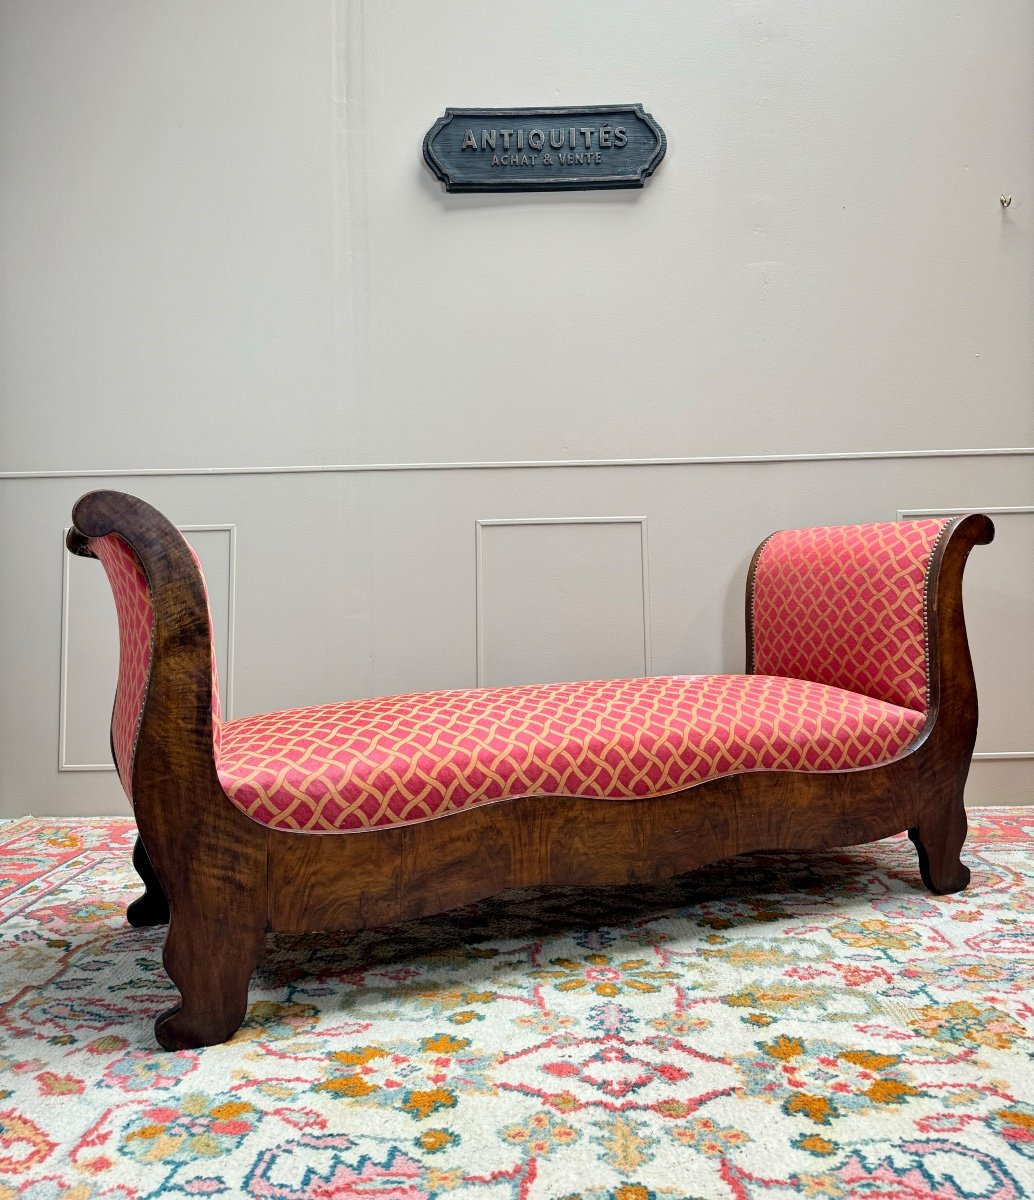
pixel 778 1026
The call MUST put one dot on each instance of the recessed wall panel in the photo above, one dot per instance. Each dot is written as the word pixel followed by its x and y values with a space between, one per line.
pixel 562 599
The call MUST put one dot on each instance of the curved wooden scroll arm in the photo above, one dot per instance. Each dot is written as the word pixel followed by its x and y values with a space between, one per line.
pixel 922 790
pixel 209 859
pixel 946 747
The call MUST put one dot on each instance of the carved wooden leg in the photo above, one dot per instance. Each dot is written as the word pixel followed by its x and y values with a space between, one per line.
pixel 210 957
pixel 938 840
pixel 152 908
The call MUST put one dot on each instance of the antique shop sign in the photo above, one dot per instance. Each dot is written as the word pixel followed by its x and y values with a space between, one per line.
pixel 544 149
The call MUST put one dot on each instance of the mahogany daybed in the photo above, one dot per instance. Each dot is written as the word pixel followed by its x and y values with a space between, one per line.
pixel 855 720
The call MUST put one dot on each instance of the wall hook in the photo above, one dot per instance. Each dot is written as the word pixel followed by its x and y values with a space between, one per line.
pixel 1005 201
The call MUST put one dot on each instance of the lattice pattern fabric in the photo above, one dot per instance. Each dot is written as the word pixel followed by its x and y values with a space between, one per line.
pixel 845 606
pixel 396 759
pixel 135 630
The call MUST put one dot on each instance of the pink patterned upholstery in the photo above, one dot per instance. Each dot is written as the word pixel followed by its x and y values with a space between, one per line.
pixel 845 606
pixel 839 682
pixel 136 630
pixel 371 763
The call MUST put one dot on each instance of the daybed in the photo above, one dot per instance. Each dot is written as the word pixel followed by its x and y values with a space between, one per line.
pixel 855 720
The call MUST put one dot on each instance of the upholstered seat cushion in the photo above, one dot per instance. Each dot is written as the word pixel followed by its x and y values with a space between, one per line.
pixel 368 764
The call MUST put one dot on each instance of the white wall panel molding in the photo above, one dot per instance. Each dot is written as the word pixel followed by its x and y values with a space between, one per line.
pixel 991 511
pixel 523 465
pixel 221 574
pixel 524 577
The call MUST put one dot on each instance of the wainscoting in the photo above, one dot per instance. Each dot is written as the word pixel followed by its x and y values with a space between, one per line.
pixel 344 581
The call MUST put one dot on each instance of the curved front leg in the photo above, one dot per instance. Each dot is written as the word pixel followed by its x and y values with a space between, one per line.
pixel 212 864
pixel 209 956
pixel 152 908
pixel 938 839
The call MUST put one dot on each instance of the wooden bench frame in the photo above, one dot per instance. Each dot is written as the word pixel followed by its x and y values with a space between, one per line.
pixel 222 880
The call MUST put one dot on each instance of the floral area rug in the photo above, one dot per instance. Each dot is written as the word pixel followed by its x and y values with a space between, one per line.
pixel 781 1025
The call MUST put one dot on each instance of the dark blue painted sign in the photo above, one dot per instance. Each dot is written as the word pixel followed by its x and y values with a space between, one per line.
pixel 544 149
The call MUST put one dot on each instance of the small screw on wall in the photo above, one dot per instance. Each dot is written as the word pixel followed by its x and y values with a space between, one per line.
pixel 1005 201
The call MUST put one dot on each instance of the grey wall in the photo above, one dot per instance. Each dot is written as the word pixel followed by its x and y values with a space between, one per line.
pixel 428 440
